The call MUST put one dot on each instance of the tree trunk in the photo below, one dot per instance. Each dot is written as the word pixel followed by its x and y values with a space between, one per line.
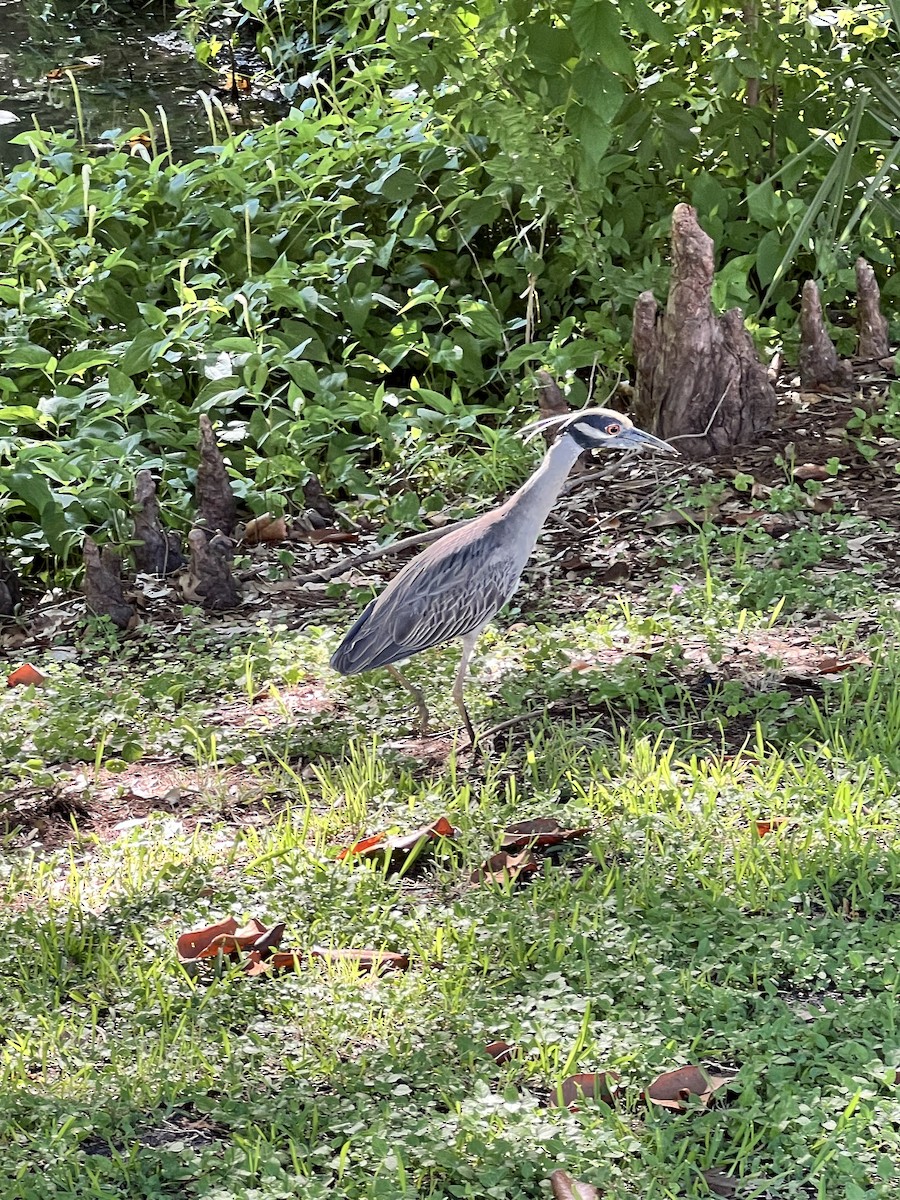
pixel 870 322
pixel 210 580
pixel 699 380
pixel 215 500
pixel 156 552
pixel 818 361
pixel 103 592
pixel 10 594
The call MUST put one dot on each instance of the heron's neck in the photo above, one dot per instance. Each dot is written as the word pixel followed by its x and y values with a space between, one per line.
pixel 536 496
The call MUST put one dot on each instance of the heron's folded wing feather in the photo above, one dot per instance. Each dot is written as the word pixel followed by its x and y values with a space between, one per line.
pixel 444 600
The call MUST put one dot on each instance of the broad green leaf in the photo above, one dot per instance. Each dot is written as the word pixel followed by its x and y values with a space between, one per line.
pixel 79 361
pixel 31 487
pixel 768 256
pixel 640 16
pixel 597 27
pixel 550 47
pixel 599 89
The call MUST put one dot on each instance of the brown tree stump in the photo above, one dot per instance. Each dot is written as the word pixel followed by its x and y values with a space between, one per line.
pixel 103 592
pixel 216 504
pixel 210 580
pixel 155 551
pixel 317 502
pixel 871 325
pixel 699 380
pixel 818 362
pixel 552 403
pixel 10 594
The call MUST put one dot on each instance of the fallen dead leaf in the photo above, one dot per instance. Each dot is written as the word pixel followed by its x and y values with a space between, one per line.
pixel 676 516
pixel 830 665
pixel 767 824
pixel 720 1183
pixel 281 960
pixel 599 1086
pixel 811 471
pixel 225 937
pixel 233 81
pixel 25 676
pixel 616 572
pixel 674 1089
pixel 564 1187
pixel 376 961
pixel 504 868
pixel 325 537
pixel 501 1052
pixel 540 831
pixel 265 529
pixel 400 851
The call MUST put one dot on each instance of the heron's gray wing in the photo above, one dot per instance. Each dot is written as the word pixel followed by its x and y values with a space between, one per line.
pixel 437 598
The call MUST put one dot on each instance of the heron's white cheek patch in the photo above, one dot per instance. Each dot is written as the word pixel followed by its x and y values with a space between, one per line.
pixel 588 431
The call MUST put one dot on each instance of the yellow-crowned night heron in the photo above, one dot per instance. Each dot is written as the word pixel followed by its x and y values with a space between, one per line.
pixel 455 587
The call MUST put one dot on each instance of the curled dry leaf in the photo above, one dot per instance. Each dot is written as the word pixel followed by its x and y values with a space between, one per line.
pixel 830 665
pixel 327 537
pixel 541 831
pixel 616 572
pixel 720 1183
pixel 812 471
pixel 400 850
pixel 25 676
pixel 505 868
pixel 674 1089
pixel 677 516
pixel 260 963
pixel 501 1052
pixel 267 942
pixel 599 1086
pixel 564 1187
pixel 376 961
pixel 265 529
pixel 767 824
pixel 225 937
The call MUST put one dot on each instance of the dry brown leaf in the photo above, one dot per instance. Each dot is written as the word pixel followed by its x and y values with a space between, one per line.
pixel 501 1052
pixel 233 81
pixel 540 831
pixel 616 572
pixel 830 665
pixel 25 676
pixel 281 960
pixel 325 537
pixel 676 516
pixel 265 529
pixel 376 961
pixel 674 1089
pixel 812 471
pixel 767 824
pixel 225 937
pixel 504 868
pixel 720 1183
pixel 564 1187
pixel 399 850
pixel 599 1086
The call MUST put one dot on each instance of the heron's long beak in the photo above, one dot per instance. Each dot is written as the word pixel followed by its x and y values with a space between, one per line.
pixel 637 439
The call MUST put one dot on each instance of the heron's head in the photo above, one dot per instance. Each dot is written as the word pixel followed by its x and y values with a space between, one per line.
pixel 600 429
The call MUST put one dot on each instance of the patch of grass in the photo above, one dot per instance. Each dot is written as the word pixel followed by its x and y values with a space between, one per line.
pixel 675 934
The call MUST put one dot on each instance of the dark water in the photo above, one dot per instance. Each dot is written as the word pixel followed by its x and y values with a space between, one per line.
pixel 123 61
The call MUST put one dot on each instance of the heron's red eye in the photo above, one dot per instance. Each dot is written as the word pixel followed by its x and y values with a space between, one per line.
pixel 613 429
